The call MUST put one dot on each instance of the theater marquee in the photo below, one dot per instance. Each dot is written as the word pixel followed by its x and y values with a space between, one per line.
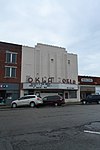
pixel 48 83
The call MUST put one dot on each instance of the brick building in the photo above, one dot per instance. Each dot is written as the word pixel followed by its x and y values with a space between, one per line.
pixel 10 71
pixel 88 85
pixel 43 69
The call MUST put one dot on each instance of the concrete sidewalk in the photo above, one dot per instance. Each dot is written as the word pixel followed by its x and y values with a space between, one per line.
pixel 4 106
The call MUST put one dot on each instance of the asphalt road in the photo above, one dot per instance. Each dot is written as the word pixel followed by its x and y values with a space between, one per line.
pixel 72 127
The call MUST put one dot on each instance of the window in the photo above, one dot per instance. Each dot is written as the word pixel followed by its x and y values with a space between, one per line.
pixel 66 95
pixel 8 95
pixel 11 57
pixel 21 98
pixel 68 61
pixel 52 60
pixel 10 71
pixel 72 94
pixel 28 97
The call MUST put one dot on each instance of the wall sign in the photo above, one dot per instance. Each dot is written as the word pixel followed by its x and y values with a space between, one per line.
pixel 3 86
pixel 50 80
pixel 50 86
pixel 86 80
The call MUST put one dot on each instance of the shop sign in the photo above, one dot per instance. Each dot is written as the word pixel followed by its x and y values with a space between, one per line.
pixel 50 80
pixel 49 86
pixel 86 80
pixel 3 86
pixel 38 85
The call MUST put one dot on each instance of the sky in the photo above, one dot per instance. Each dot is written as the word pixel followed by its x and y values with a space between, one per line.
pixel 72 24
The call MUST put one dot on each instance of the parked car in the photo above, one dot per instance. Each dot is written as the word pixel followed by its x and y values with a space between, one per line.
pixel 29 100
pixel 91 99
pixel 56 100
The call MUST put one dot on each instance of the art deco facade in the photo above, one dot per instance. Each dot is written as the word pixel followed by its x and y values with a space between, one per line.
pixel 49 69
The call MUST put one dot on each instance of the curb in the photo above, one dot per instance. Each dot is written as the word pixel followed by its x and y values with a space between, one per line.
pixel 3 106
pixel 72 103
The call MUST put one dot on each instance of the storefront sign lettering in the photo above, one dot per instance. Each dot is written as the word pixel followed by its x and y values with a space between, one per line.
pixel 50 80
pixel 3 86
pixel 86 80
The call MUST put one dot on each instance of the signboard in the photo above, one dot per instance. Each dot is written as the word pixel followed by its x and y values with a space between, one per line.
pixel 50 80
pixel 86 80
pixel 49 86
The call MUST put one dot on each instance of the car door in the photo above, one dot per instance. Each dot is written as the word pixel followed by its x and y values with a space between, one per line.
pixel 89 98
pixel 51 99
pixel 94 98
pixel 27 100
pixel 23 101
pixel 20 101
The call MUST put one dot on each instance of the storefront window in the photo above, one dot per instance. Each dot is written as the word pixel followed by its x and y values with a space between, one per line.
pixel 66 95
pixel 72 94
pixel 1 100
pixel 8 95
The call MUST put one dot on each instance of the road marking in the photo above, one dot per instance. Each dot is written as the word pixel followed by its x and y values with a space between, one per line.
pixel 92 132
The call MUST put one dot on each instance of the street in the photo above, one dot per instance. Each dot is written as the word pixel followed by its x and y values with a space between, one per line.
pixel 71 127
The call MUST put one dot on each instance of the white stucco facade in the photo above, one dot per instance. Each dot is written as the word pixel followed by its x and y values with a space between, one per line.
pixel 49 64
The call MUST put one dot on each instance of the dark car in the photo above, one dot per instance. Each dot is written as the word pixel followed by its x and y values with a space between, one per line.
pixel 91 99
pixel 56 100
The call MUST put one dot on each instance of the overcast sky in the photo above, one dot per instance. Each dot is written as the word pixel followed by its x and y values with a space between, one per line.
pixel 72 24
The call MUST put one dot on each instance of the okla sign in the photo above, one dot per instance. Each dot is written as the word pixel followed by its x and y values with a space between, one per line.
pixel 50 80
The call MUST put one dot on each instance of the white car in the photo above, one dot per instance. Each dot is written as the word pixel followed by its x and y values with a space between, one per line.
pixel 30 100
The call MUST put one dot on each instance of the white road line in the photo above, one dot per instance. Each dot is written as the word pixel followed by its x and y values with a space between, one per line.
pixel 92 132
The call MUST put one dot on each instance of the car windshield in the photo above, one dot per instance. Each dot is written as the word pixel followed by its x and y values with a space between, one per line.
pixel 20 98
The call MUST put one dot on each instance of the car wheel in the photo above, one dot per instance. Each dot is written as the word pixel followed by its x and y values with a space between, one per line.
pixel 98 102
pixel 32 104
pixel 56 104
pixel 14 105
pixel 84 102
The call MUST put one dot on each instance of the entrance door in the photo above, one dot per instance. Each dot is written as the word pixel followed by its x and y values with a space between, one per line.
pixel 2 95
pixel 66 95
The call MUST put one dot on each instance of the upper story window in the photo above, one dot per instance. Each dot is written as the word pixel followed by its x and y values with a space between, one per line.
pixel 52 60
pixel 11 57
pixel 68 61
pixel 10 71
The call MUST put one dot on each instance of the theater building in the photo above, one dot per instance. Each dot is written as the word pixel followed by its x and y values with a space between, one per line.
pixel 47 70
pixel 88 85
pixel 10 71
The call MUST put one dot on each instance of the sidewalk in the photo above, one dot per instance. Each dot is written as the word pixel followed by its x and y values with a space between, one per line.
pixel 4 106
pixel 73 103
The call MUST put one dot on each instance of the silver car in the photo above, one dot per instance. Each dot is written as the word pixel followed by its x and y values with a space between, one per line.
pixel 28 100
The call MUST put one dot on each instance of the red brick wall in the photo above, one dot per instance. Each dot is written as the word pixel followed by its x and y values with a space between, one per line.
pixel 13 48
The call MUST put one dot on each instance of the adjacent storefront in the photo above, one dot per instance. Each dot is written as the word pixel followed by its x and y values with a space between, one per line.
pixel 8 92
pixel 88 85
